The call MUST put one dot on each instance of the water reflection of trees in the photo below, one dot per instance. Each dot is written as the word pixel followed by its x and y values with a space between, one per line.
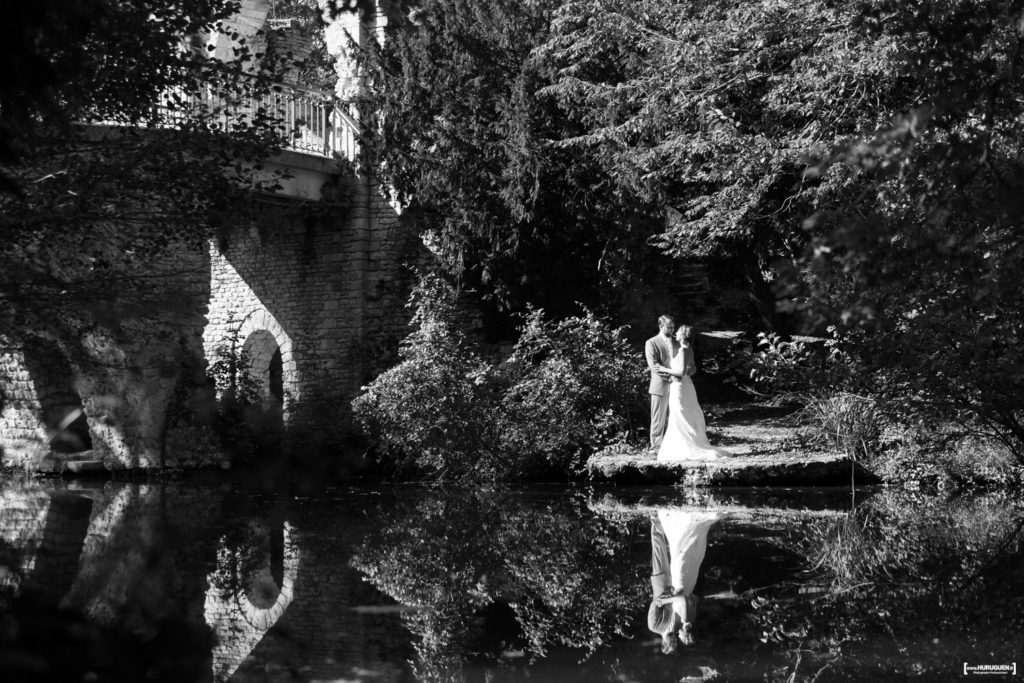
pixel 497 575
pixel 908 587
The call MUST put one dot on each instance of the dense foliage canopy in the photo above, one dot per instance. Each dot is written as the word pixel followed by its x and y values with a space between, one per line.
pixel 868 151
pixel 465 138
pixel 859 159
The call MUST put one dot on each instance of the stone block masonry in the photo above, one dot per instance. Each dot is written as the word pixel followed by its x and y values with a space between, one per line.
pixel 312 289
pixel 106 389
pixel 315 294
pixel 22 429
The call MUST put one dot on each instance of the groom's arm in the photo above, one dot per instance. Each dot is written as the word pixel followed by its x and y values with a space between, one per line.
pixel 653 359
pixel 651 353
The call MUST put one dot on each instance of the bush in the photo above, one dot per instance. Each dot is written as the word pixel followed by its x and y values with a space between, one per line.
pixel 778 365
pixel 574 387
pixel 786 370
pixel 192 446
pixel 844 421
pixel 432 412
pixel 245 423
pixel 568 389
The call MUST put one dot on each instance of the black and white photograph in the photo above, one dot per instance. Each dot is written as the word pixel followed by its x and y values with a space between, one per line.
pixel 511 341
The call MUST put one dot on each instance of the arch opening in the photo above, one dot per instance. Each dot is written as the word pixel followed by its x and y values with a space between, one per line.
pixel 266 366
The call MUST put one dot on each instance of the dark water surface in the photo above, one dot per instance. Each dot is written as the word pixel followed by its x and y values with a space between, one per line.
pixel 210 582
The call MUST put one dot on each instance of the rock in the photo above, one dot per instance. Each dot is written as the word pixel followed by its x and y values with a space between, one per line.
pixel 813 468
pixel 85 467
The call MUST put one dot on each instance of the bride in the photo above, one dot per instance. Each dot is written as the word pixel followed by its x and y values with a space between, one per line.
pixel 685 436
pixel 679 539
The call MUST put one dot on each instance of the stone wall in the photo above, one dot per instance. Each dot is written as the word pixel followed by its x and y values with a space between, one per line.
pixel 107 389
pixel 344 35
pixel 313 289
pixel 23 436
pixel 320 289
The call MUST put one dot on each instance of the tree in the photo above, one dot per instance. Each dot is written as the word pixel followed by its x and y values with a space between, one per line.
pixel 918 255
pixel 464 140
pixel 710 110
pixel 868 151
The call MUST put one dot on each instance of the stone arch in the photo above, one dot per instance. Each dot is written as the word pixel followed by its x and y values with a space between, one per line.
pixel 259 610
pixel 271 359
pixel 240 620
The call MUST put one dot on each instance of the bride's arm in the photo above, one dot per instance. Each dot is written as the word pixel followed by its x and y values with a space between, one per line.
pixel 690 363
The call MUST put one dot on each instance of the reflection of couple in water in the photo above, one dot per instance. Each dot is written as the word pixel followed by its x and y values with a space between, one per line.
pixel 679 539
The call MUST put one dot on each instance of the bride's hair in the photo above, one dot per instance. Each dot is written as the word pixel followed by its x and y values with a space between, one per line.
pixel 685 332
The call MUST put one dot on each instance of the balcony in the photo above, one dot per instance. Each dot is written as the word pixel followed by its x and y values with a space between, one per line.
pixel 313 122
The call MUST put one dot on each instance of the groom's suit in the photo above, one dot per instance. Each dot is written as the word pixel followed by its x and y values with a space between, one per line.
pixel 658 350
pixel 660 617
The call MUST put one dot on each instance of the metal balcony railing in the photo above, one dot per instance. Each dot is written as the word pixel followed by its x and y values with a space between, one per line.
pixel 313 122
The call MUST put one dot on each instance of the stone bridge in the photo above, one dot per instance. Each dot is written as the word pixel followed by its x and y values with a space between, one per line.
pixel 312 289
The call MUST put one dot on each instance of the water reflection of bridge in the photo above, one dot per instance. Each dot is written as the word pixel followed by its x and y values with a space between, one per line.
pixel 121 553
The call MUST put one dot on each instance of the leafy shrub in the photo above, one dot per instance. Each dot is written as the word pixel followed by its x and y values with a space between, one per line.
pixel 767 364
pixel 940 455
pixel 848 422
pixel 432 412
pixel 778 364
pixel 568 388
pixel 575 386
pixel 788 369
pixel 242 417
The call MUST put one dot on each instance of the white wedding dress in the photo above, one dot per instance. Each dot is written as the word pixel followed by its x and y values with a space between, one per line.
pixel 687 536
pixel 685 436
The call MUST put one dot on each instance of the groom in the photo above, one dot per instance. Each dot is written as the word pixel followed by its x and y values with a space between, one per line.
pixel 659 350
pixel 661 618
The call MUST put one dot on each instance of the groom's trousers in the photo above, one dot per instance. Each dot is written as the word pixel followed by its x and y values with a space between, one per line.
pixel 659 419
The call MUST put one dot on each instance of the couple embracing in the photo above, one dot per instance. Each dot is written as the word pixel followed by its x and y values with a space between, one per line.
pixel 678 431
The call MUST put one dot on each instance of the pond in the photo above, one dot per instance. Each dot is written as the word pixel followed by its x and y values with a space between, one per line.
pixel 121 581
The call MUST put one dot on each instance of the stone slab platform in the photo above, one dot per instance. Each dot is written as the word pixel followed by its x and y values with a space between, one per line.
pixel 768 452
pixel 787 469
